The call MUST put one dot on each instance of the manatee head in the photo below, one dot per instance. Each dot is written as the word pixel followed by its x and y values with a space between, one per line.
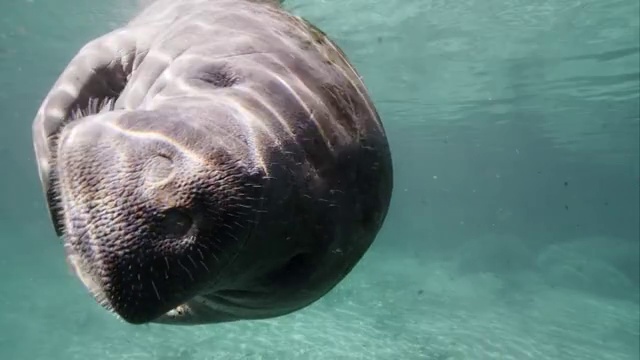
pixel 151 210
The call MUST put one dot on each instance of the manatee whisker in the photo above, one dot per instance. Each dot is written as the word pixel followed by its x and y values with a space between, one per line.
pixel 213 254
pixel 193 262
pixel 185 269
pixel 93 106
pixel 155 289
pixel 205 266
pixel 232 236
pixel 206 247
pixel 237 214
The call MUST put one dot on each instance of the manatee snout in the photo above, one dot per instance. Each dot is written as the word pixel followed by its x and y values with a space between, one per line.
pixel 148 223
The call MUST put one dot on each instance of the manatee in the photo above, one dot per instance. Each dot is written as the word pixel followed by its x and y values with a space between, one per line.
pixel 212 161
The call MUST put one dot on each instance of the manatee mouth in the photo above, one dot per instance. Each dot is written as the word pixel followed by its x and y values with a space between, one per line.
pixel 188 309
pixel 128 276
pixel 92 284
pixel 136 285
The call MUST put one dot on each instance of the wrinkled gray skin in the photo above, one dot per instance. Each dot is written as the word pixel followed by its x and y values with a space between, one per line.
pixel 212 161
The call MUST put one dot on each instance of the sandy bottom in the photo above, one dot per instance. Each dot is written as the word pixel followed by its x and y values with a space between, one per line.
pixel 390 307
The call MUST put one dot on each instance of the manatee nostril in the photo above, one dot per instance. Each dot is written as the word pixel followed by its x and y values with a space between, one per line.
pixel 159 168
pixel 175 223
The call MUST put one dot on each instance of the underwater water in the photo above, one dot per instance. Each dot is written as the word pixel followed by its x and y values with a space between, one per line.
pixel 514 227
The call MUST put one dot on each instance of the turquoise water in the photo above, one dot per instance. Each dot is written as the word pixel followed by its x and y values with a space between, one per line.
pixel 514 228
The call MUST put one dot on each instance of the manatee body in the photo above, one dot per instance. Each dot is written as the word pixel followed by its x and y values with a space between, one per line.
pixel 212 161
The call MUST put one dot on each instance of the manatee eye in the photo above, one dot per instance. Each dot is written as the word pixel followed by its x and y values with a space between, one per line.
pixel 175 223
